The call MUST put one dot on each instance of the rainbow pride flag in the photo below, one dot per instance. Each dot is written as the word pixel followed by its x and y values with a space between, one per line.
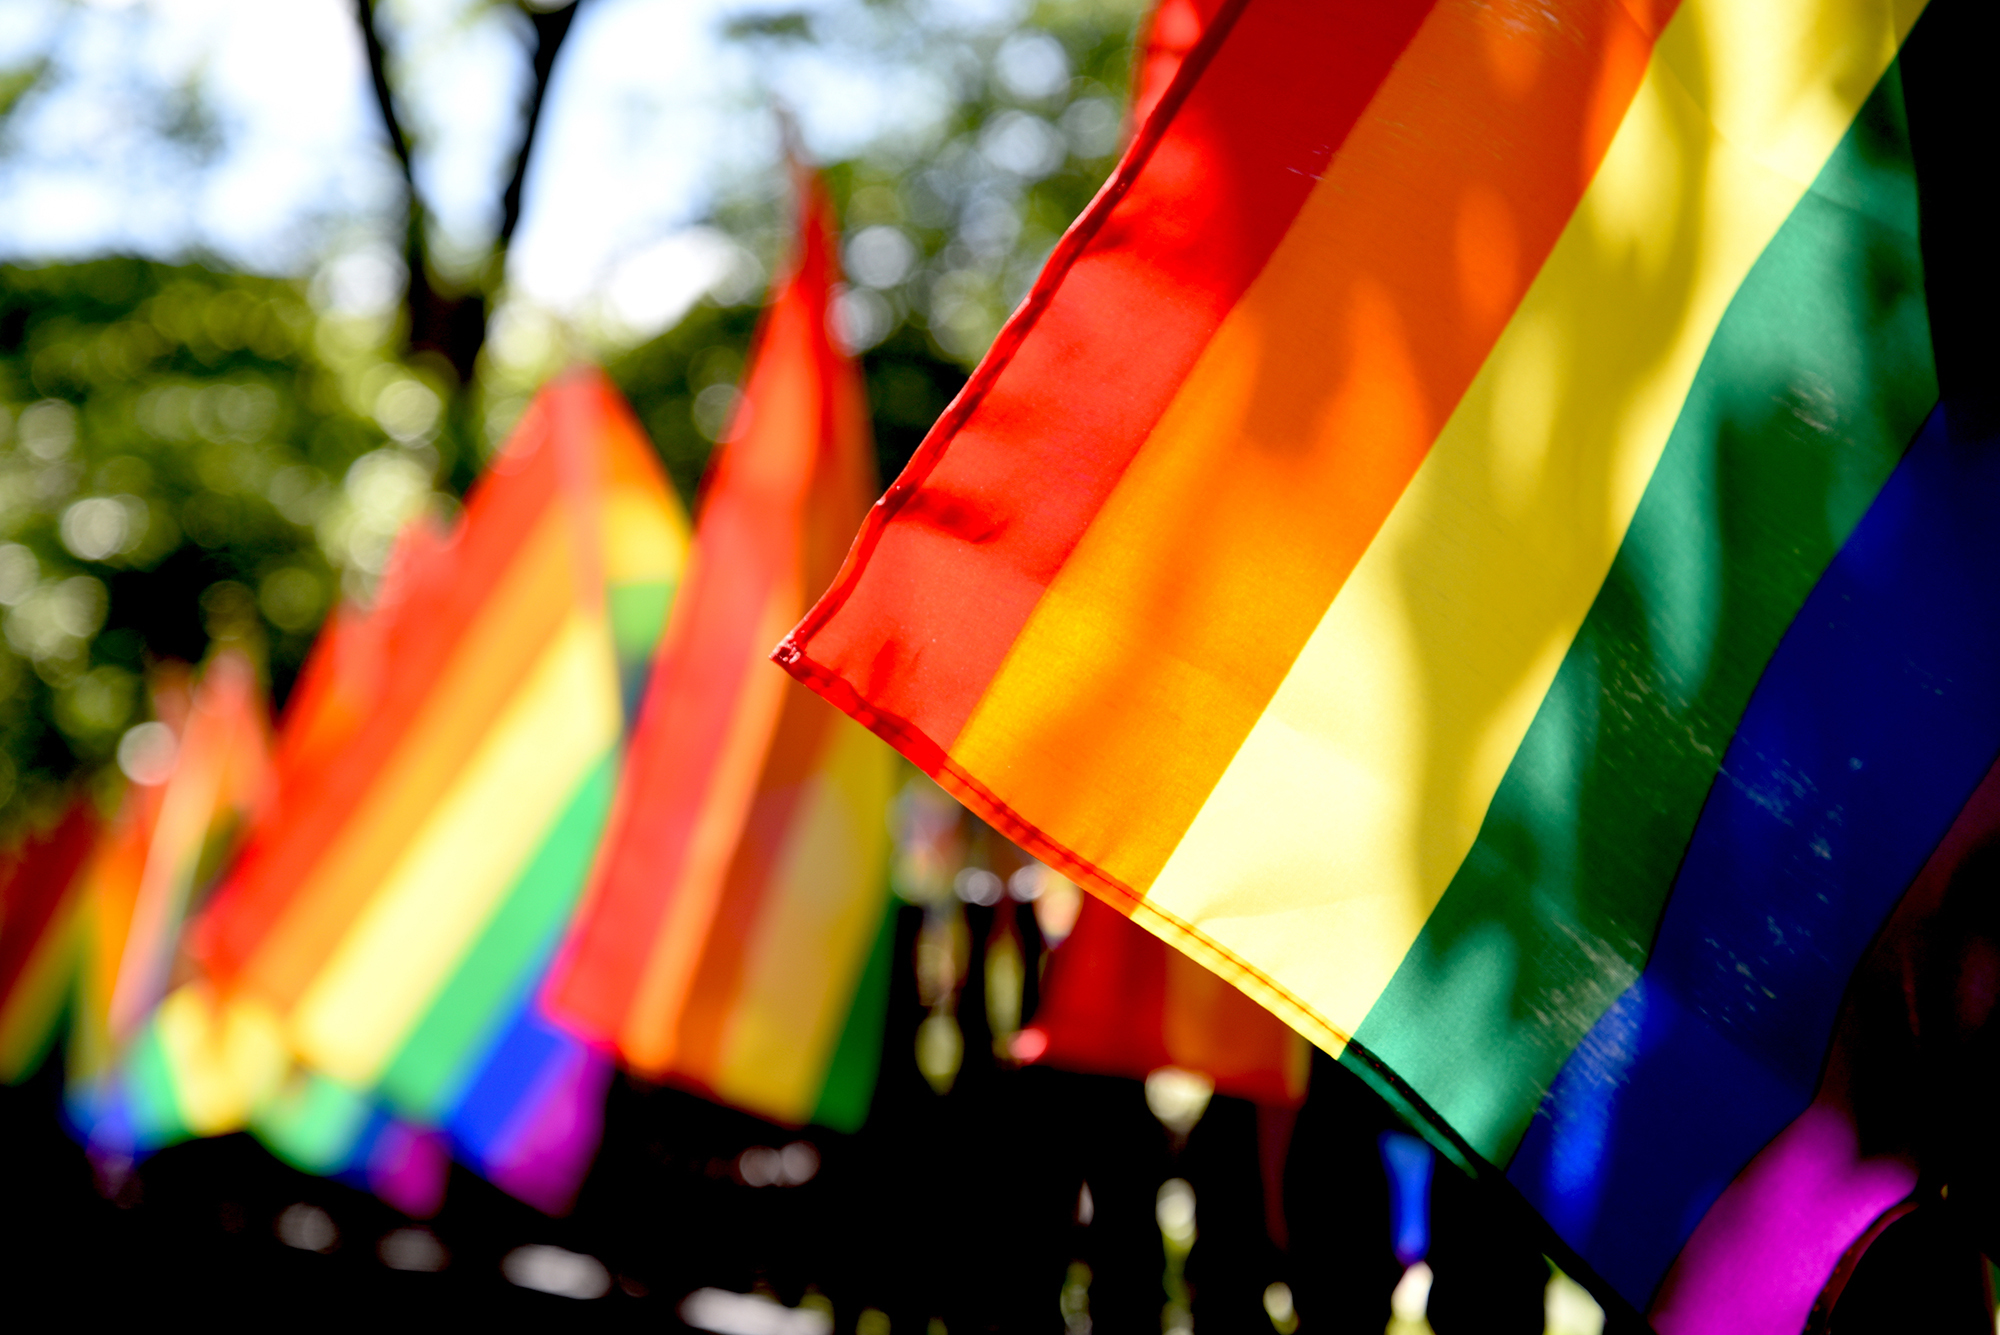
pixel 198 1064
pixel 98 909
pixel 1459 541
pixel 736 937
pixel 441 797
pixel 177 822
pixel 1171 31
pixel 93 909
pixel 168 842
pixel 1117 1001
pixel 40 900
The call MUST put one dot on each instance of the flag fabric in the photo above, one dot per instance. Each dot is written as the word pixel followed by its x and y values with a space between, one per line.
pixel 221 771
pixel 1443 545
pixel 40 899
pixel 1811 1201
pixel 1849 766
pixel 204 1061
pixel 443 786
pixel 323 1127
pixel 735 939
pixel 1114 1000
pixel 199 1064
pixel 1118 1001
pixel 1171 32
pixel 531 1119
pixel 177 821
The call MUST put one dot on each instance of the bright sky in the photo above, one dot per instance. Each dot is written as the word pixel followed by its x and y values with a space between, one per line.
pixel 649 113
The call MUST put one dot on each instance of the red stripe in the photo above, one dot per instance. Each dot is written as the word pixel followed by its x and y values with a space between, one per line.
pixel 1129 299
pixel 684 725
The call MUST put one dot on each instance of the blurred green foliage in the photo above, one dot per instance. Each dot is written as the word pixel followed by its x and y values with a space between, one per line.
pixel 946 226
pixel 182 457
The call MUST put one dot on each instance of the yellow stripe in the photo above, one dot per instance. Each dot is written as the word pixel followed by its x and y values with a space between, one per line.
pixel 1150 657
pixel 457 870
pixel 225 1057
pixel 522 614
pixel 645 538
pixel 813 934
pixel 1342 818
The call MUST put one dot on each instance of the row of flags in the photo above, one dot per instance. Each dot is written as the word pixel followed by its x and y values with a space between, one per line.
pixel 421 892
pixel 1464 543
pixel 542 809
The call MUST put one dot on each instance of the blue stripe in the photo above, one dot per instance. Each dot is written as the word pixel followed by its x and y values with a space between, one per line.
pixel 531 1052
pixel 354 1172
pixel 1874 722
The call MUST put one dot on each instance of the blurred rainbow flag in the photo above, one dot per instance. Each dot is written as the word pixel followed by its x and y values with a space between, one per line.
pixel 736 936
pixel 1171 32
pixel 40 911
pixel 199 772
pixel 1117 1000
pixel 204 1062
pixel 444 780
pixel 93 910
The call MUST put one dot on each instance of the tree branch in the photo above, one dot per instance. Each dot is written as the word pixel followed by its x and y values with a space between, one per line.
pixel 450 323
pixel 385 101
pixel 551 27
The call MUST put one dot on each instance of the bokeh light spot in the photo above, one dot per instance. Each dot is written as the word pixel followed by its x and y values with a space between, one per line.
pixel 556 1270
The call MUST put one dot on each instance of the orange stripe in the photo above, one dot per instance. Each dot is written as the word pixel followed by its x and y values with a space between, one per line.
pixel 843 481
pixel 110 888
pixel 649 1037
pixel 1174 620
pixel 212 778
pixel 527 608
pixel 797 746
pixel 834 507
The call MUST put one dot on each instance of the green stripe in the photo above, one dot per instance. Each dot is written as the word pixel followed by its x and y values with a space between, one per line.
pixel 1816 380
pixel 428 1073
pixel 152 1094
pixel 314 1124
pixel 638 613
pixel 850 1076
